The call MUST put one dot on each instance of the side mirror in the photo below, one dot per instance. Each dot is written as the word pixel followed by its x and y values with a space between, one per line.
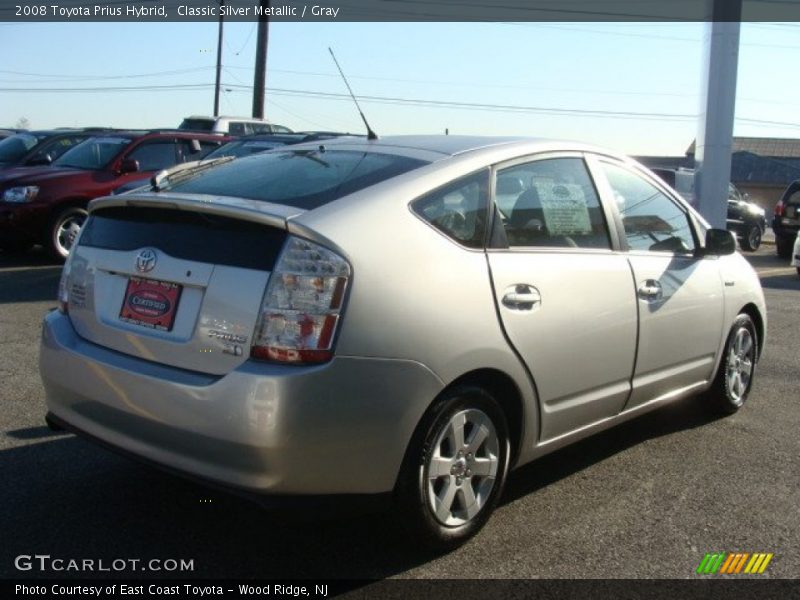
pixel 128 165
pixel 719 242
pixel 40 161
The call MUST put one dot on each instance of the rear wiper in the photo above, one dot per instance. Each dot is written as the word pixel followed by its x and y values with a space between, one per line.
pixel 309 155
pixel 184 171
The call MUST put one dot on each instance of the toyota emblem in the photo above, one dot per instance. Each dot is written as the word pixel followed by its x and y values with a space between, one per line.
pixel 146 260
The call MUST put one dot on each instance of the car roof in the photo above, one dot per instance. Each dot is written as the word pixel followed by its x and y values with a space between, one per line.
pixel 454 145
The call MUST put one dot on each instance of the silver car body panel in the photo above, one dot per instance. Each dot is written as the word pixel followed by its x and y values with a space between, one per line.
pixel 411 326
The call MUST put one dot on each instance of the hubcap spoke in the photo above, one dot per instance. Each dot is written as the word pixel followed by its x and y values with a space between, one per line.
pixel 484 467
pixel 477 436
pixel 470 502
pixel 439 467
pixel 444 502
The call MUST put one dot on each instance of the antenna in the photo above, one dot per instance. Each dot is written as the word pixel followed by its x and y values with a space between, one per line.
pixel 370 134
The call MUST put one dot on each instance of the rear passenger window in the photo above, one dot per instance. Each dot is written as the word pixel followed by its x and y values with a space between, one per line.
pixel 652 221
pixel 458 210
pixel 551 202
pixel 236 128
pixel 154 156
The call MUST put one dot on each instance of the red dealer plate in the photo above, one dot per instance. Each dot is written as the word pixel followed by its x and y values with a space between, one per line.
pixel 150 303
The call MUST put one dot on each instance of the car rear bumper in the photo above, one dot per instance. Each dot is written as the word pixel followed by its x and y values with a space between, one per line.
pixel 338 428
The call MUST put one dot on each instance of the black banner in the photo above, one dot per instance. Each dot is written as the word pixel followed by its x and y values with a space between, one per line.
pixel 403 589
pixel 395 10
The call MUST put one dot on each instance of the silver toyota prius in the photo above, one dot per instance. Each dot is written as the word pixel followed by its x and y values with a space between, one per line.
pixel 410 316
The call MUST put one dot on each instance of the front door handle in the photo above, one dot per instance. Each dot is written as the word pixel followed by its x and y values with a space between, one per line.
pixel 650 290
pixel 521 297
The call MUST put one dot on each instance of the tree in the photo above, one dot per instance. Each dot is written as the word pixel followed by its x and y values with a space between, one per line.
pixel 23 123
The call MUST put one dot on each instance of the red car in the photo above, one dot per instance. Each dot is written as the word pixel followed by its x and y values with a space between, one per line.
pixel 47 205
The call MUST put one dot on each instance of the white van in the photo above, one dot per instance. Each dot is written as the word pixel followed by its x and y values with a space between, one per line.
pixel 231 125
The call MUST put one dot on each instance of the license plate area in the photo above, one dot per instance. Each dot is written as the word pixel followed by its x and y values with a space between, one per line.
pixel 150 303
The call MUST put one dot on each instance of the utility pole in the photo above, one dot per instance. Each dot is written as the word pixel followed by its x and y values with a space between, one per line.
pixel 260 79
pixel 714 143
pixel 219 61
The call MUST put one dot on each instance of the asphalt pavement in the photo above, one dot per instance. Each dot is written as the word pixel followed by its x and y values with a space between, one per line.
pixel 646 499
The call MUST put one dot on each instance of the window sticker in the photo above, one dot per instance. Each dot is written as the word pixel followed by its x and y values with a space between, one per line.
pixel 564 207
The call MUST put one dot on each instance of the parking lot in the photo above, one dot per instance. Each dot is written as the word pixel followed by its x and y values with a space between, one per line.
pixel 647 499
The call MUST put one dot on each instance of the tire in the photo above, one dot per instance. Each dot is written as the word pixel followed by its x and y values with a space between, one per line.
pixel 751 239
pixel 442 496
pixel 64 228
pixel 737 367
pixel 784 247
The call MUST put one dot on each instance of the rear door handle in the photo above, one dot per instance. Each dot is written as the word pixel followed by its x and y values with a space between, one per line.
pixel 521 297
pixel 650 290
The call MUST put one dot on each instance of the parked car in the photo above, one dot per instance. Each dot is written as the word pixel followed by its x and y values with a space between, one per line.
pixel 42 147
pixel 231 125
pixel 796 253
pixel 786 220
pixel 362 318
pixel 47 205
pixel 746 219
pixel 4 133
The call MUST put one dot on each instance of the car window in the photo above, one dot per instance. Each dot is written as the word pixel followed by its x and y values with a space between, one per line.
pixel 260 127
pixel 197 125
pixel 57 148
pixel 459 210
pixel 155 156
pixel 190 150
pixel 551 202
pixel 305 178
pixel 94 153
pixel 652 220
pixel 280 129
pixel 236 128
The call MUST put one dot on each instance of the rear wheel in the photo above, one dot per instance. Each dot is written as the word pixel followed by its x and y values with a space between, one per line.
pixel 751 240
pixel 64 228
pixel 734 378
pixel 455 470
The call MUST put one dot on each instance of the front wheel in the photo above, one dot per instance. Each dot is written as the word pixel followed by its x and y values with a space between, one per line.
pixel 456 468
pixel 751 240
pixel 734 377
pixel 64 229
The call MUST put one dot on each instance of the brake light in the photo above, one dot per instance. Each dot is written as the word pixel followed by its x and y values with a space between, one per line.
pixel 779 208
pixel 63 289
pixel 302 305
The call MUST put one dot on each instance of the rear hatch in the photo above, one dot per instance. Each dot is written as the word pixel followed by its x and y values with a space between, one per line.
pixel 175 286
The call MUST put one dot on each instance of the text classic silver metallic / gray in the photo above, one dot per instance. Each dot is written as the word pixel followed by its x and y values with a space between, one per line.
pixel 410 315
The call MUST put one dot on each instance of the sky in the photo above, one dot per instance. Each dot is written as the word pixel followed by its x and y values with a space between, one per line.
pixel 631 87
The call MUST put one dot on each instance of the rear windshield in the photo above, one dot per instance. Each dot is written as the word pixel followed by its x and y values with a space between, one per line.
pixel 94 153
pixel 183 234
pixel 197 125
pixel 305 179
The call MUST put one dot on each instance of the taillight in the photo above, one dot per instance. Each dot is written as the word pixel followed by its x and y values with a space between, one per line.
pixel 779 208
pixel 63 289
pixel 302 305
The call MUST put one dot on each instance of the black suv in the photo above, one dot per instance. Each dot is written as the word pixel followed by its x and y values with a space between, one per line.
pixel 746 219
pixel 786 220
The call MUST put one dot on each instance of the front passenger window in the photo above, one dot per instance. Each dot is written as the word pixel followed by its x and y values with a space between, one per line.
pixel 652 220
